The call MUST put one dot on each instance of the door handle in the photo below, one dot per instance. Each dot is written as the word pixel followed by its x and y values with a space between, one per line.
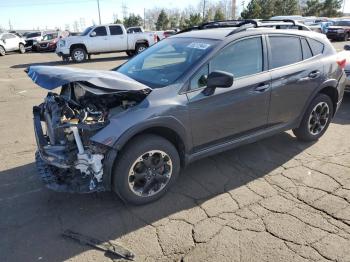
pixel 262 88
pixel 314 74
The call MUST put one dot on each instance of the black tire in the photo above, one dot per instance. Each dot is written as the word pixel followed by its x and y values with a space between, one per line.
pixel 137 149
pixel 22 49
pixel 65 59
pixel 78 55
pixel 130 53
pixel 2 51
pixel 140 48
pixel 303 132
pixel 346 37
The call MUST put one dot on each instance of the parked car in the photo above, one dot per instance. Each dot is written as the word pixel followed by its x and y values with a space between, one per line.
pixel 135 29
pixel 321 27
pixel 190 96
pixel 285 24
pixel 103 39
pixel 340 30
pixel 11 42
pixel 346 54
pixel 49 42
pixel 32 39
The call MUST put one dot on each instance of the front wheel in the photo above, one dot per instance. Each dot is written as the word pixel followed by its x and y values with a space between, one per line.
pixel 2 51
pixel 78 55
pixel 146 169
pixel 130 53
pixel 22 49
pixel 316 119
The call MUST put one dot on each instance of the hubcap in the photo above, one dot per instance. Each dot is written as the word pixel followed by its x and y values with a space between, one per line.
pixel 318 118
pixel 141 49
pixel 150 173
pixel 79 55
pixel 2 51
pixel 21 47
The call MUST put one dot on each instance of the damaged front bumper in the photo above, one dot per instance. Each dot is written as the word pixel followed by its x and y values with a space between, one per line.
pixel 59 170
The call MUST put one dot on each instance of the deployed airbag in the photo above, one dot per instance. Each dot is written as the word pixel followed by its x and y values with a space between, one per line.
pixel 51 77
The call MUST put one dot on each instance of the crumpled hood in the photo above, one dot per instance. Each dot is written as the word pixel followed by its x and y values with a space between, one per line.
pixel 96 81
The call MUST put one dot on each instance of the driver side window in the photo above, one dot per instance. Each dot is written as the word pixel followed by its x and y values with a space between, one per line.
pixel 100 31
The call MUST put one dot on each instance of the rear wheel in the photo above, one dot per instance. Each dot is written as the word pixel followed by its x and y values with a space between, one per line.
pixel 2 51
pixel 78 55
pixel 316 119
pixel 146 169
pixel 22 49
pixel 140 48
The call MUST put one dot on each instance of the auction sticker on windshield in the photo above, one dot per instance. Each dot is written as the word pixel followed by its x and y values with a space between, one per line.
pixel 202 46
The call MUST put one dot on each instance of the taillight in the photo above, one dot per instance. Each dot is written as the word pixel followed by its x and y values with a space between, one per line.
pixel 341 63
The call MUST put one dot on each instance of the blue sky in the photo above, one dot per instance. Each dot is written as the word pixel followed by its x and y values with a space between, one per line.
pixel 29 14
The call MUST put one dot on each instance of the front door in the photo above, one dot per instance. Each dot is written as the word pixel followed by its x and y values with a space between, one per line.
pixel 237 111
pixel 99 41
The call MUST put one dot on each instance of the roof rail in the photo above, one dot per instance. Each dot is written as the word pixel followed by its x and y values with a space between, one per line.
pixel 279 20
pixel 220 24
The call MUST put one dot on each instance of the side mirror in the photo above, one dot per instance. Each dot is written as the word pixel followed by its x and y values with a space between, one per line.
pixel 347 47
pixel 93 34
pixel 218 79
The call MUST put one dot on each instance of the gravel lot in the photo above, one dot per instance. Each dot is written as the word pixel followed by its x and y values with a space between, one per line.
pixel 275 200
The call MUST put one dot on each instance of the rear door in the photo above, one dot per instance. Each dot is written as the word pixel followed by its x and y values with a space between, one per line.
pixel 230 113
pixel 296 72
pixel 100 41
pixel 118 39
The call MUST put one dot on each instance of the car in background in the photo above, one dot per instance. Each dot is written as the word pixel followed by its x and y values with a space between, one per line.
pixel 100 39
pixel 11 42
pixel 48 43
pixel 346 55
pixel 284 24
pixel 32 38
pixel 321 27
pixel 340 30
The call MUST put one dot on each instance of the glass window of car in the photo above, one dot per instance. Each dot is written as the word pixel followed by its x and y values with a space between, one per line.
pixel 306 49
pixel 30 35
pixel 115 30
pixel 342 23
pixel 100 31
pixel 242 58
pixel 200 78
pixel 316 47
pixel 285 50
pixel 86 31
pixel 162 64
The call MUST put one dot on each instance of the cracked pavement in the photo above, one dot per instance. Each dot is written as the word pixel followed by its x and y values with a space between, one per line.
pixel 274 200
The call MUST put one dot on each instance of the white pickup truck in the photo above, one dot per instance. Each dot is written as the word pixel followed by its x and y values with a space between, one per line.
pixel 103 39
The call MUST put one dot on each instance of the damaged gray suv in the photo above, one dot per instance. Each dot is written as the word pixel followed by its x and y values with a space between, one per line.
pixel 198 93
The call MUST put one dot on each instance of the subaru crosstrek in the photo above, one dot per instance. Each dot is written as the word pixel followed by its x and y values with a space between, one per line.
pixel 198 93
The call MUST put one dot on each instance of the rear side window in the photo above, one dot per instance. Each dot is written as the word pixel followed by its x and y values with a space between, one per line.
pixel 316 47
pixel 115 30
pixel 306 49
pixel 241 58
pixel 100 31
pixel 285 50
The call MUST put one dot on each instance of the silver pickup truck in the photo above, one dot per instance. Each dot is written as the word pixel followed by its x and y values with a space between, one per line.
pixel 103 39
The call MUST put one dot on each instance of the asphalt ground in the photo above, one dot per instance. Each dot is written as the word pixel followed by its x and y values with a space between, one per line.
pixel 274 200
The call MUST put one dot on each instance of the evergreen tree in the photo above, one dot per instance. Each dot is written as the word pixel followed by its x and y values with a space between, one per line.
pixel 253 10
pixel 330 8
pixel 133 20
pixel 162 21
pixel 313 8
pixel 219 15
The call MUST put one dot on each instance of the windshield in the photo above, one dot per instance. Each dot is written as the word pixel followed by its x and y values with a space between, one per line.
pixel 342 23
pixel 86 31
pixel 30 35
pixel 164 63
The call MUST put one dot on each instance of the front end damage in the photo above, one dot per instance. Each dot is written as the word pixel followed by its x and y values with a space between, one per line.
pixel 67 160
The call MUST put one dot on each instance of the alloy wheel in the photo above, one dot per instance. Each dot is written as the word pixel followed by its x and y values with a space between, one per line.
pixel 150 173
pixel 318 118
pixel 79 55
pixel 2 51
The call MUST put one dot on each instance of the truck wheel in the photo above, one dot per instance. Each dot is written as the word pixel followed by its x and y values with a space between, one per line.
pixel 130 53
pixel 22 49
pixel 2 51
pixel 316 119
pixel 140 48
pixel 78 55
pixel 146 169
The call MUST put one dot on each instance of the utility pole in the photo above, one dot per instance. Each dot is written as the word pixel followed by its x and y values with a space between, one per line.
pixel 233 9
pixel 99 14
pixel 204 3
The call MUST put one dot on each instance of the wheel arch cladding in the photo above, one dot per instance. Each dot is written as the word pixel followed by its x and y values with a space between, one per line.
pixel 332 92
pixel 72 47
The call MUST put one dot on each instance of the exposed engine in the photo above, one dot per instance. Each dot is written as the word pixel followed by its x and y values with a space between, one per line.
pixel 71 118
